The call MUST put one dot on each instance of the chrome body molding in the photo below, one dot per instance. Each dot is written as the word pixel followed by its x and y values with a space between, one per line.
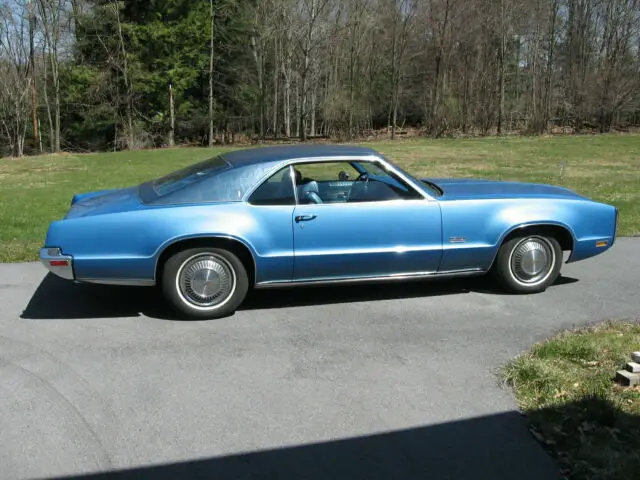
pixel 131 282
pixel 363 280
pixel 57 263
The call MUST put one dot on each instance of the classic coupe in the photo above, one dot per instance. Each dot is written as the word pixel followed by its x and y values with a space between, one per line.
pixel 318 214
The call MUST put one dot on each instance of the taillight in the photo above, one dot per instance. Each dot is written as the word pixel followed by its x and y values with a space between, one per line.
pixel 59 263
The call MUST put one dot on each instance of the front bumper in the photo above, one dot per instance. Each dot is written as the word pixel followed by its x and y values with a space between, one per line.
pixel 57 263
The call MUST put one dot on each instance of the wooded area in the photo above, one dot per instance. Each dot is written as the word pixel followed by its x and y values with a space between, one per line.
pixel 87 75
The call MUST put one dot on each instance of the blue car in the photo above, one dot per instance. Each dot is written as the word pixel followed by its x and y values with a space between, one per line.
pixel 318 214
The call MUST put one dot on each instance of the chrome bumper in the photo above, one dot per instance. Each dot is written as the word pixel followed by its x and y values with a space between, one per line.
pixel 57 263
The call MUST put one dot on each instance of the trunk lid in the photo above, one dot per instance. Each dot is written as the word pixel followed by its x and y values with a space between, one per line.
pixel 104 201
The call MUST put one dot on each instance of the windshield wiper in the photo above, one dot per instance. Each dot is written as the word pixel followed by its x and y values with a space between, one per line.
pixel 434 186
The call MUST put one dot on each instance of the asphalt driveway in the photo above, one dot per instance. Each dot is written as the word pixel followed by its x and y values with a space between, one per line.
pixel 391 381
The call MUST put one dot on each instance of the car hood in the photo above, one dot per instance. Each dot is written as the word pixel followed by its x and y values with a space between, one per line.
pixel 104 201
pixel 472 188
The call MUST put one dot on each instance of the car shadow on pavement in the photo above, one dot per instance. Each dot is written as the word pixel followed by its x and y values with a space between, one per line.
pixel 308 296
pixel 56 298
pixel 494 447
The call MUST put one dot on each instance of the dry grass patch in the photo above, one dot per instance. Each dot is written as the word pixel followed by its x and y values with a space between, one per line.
pixel 565 386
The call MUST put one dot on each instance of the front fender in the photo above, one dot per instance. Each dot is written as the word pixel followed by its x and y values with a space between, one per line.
pixel 473 230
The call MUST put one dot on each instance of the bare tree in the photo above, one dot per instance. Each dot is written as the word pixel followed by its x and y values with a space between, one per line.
pixel 440 13
pixel 261 39
pixel 618 78
pixel 403 13
pixel 51 14
pixel 311 12
pixel 37 139
pixel 286 61
pixel 15 78
pixel 212 13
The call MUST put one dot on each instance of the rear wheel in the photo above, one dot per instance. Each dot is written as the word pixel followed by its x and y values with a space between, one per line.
pixel 528 263
pixel 205 282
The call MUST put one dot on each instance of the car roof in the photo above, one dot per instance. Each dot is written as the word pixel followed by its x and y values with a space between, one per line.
pixel 288 152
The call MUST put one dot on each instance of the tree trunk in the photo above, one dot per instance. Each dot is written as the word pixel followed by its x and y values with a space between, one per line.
pixel 549 72
pixel 172 118
pixel 211 60
pixel 534 118
pixel 286 68
pixel 304 77
pixel 352 61
pixel 56 80
pixel 32 69
pixel 502 55
pixel 275 88
pixel 127 83
pixel 302 113
pixel 50 13
pixel 257 58
pixel 286 96
pixel 312 112
pixel 299 115
pixel 45 89
pixel 435 99
pixel 394 73
pixel 20 144
pixel 466 94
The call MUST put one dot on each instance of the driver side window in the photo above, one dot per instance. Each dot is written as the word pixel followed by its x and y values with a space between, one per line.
pixel 349 182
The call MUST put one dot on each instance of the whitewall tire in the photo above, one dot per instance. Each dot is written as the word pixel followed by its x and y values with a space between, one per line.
pixel 528 263
pixel 205 282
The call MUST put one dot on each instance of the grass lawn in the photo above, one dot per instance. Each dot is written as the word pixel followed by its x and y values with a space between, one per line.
pixel 35 191
pixel 588 423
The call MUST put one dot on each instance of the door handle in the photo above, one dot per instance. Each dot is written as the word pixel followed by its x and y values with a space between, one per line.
pixel 304 218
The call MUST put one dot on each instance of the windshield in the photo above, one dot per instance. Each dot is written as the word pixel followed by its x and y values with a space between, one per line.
pixel 431 188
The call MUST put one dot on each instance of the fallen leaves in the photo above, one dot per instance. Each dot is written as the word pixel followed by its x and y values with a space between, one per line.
pixel 540 438
pixel 586 427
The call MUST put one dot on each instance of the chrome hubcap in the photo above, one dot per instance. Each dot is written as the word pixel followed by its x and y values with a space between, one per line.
pixel 206 280
pixel 532 260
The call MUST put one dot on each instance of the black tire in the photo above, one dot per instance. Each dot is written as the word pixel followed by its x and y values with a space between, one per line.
pixel 517 272
pixel 205 282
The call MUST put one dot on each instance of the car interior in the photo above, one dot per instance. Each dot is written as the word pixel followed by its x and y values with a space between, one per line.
pixel 324 184
pixel 364 188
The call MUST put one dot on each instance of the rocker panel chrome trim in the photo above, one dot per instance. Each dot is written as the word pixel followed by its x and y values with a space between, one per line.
pixel 132 282
pixel 386 278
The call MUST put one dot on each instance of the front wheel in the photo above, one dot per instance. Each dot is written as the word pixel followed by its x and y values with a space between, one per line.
pixel 528 264
pixel 205 283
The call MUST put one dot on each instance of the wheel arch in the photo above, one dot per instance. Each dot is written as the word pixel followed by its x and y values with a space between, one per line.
pixel 234 245
pixel 559 231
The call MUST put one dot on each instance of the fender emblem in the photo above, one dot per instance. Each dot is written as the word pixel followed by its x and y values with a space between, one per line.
pixel 457 239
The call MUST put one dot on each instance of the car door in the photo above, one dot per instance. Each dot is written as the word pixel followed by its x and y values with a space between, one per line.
pixel 376 231
pixel 272 205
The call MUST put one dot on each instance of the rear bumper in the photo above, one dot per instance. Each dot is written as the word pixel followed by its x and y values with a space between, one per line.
pixel 57 263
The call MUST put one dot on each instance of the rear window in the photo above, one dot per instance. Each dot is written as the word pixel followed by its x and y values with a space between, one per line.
pixel 213 180
pixel 187 176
